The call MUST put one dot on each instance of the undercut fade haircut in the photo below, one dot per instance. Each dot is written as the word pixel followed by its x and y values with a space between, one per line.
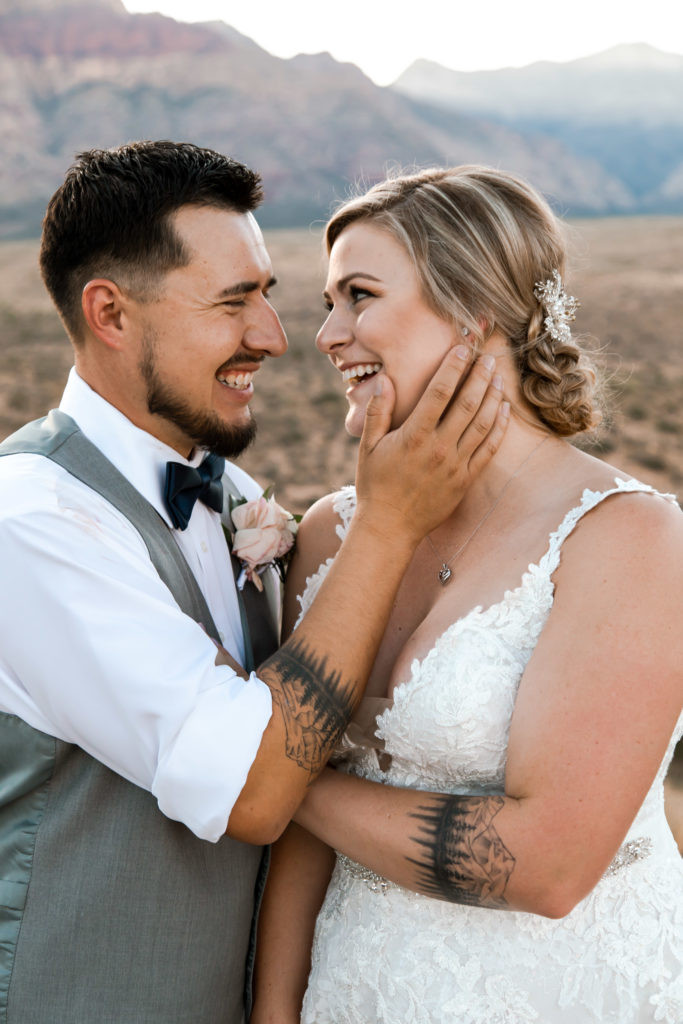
pixel 112 217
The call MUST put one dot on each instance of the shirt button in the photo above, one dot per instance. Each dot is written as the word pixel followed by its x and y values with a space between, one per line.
pixel 204 547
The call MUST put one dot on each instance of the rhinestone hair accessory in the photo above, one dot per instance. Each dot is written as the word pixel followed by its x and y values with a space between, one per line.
pixel 560 308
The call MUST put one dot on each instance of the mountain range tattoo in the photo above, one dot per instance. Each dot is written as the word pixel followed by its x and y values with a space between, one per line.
pixel 463 859
pixel 314 702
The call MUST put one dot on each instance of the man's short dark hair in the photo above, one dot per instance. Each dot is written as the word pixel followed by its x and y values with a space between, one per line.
pixel 112 216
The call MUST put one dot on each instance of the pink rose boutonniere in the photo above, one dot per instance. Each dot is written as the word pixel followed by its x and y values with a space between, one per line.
pixel 263 537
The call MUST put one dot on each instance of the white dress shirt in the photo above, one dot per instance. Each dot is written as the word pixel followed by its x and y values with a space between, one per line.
pixel 93 648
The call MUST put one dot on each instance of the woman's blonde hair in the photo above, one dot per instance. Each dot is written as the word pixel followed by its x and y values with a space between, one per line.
pixel 481 240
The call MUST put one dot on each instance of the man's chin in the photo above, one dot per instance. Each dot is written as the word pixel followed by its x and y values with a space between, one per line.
pixel 228 440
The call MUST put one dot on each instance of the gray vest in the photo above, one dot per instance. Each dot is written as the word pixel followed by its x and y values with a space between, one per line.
pixel 111 913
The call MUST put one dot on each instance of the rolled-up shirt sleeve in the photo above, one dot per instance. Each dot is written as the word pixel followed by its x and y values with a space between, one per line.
pixel 95 651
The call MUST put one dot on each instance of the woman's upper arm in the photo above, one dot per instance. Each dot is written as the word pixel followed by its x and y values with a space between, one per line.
pixel 601 695
pixel 317 540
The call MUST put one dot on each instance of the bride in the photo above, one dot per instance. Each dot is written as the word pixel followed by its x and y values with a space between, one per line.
pixel 502 854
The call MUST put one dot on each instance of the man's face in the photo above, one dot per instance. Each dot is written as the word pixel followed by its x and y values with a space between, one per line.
pixel 207 334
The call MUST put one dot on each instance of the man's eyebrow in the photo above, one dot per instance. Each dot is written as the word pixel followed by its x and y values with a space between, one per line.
pixel 342 283
pixel 244 287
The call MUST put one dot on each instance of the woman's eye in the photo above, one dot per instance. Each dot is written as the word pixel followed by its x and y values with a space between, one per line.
pixel 358 294
pixel 329 306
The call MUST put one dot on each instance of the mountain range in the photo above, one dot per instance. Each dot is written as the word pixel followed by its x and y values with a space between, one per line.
pixel 77 74
pixel 622 108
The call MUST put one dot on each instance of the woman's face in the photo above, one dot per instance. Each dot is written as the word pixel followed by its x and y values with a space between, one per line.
pixel 379 320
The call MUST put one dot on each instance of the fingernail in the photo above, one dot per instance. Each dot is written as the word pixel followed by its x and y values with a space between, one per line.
pixel 505 410
pixel 378 384
pixel 488 361
pixel 497 381
pixel 462 352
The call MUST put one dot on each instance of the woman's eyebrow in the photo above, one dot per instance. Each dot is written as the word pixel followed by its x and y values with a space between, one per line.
pixel 342 283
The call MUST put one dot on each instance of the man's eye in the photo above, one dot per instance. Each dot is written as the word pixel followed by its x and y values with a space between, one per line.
pixel 234 303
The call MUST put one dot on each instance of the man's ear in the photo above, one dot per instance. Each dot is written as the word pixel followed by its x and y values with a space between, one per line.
pixel 104 309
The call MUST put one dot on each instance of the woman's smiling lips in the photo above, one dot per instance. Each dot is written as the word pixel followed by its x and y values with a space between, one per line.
pixel 358 372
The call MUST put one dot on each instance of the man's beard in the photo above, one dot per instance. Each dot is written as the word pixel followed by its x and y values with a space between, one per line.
pixel 204 428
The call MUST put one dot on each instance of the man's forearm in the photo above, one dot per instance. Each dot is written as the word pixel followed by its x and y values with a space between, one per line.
pixel 318 677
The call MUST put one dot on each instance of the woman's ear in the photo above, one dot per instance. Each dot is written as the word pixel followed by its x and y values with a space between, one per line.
pixel 104 305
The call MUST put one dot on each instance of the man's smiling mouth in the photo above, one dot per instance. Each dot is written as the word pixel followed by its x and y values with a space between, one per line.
pixel 236 381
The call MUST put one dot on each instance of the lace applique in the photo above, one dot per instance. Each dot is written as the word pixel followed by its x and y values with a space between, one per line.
pixel 386 955
pixel 344 505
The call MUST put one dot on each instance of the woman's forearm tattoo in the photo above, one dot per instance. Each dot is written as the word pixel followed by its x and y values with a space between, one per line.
pixel 314 703
pixel 462 857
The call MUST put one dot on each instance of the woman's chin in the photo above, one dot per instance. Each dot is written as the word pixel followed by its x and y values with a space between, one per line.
pixel 355 418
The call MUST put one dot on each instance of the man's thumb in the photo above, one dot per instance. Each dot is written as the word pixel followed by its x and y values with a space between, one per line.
pixel 378 412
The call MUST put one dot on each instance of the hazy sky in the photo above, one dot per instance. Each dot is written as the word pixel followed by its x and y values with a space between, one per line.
pixel 465 35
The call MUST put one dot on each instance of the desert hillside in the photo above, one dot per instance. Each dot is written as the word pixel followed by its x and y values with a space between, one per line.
pixel 626 272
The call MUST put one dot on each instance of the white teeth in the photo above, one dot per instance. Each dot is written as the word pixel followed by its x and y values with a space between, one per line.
pixel 356 373
pixel 238 381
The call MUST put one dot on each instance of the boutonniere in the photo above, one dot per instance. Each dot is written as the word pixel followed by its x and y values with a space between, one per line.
pixel 262 537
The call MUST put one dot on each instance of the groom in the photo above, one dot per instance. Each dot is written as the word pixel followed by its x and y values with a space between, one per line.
pixel 139 779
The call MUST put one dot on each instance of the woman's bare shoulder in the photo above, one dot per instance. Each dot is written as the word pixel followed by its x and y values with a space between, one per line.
pixel 634 538
pixel 318 534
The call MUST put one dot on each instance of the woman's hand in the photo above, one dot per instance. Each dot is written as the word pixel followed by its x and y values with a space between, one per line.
pixel 223 658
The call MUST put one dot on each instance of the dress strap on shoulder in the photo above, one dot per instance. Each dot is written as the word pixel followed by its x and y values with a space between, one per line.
pixel 589 500
pixel 345 506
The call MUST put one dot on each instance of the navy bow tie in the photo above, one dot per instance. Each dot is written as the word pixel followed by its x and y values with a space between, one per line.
pixel 185 484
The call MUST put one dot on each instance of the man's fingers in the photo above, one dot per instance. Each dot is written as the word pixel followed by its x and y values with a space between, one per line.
pixel 439 392
pixel 480 417
pixel 491 443
pixel 378 413
pixel 466 408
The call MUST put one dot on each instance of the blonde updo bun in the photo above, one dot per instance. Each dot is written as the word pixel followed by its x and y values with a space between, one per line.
pixel 481 240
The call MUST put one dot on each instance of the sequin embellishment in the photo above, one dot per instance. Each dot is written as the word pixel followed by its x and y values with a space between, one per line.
pixel 374 882
pixel 629 853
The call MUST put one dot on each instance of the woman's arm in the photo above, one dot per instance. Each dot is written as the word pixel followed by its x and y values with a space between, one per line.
pixel 301 865
pixel 300 870
pixel 595 711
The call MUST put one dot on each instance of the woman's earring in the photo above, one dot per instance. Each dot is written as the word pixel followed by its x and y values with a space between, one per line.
pixel 465 331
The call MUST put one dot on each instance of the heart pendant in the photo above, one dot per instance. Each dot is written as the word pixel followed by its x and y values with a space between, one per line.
pixel 444 575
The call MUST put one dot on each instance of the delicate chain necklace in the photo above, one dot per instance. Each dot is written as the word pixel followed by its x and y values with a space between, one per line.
pixel 445 572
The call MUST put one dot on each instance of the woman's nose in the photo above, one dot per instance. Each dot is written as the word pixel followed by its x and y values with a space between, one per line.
pixel 336 331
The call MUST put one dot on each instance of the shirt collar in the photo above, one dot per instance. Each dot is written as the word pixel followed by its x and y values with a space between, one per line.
pixel 139 456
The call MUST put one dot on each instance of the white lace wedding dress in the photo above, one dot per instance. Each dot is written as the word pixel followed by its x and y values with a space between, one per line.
pixel 384 955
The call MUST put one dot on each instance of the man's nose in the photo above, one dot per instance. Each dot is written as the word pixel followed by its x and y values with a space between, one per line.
pixel 266 333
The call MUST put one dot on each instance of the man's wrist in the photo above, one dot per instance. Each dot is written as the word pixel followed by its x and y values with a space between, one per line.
pixel 393 532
